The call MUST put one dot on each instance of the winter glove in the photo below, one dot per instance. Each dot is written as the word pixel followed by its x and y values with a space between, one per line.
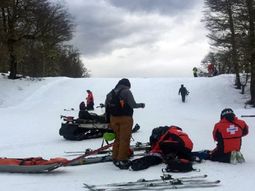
pixel 142 105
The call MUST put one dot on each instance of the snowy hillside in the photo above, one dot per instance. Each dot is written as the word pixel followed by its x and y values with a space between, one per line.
pixel 30 120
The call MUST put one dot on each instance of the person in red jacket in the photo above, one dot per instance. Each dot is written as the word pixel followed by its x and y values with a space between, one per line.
pixel 228 133
pixel 90 100
pixel 167 143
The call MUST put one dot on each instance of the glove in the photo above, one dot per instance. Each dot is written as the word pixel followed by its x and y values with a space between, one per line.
pixel 142 105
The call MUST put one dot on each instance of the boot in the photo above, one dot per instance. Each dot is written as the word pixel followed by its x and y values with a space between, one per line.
pixel 239 157
pixel 233 157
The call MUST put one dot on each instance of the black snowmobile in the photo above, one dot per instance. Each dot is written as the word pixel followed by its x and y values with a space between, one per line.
pixel 88 125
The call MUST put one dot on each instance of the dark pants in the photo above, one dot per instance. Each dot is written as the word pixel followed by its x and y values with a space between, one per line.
pixel 183 98
pixel 175 148
pixel 220 156
pixel 213 156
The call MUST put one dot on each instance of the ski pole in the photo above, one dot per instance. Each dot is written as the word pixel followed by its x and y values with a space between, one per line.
pixel 90 153
pixel 247 115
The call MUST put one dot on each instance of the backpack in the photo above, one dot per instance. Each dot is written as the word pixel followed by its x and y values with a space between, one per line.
pixel 179 165
pixel 157 133
pixel 116 105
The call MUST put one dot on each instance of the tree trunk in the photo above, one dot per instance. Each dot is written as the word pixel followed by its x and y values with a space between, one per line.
pixel 251 48
pixel 234 49
pixel 13 61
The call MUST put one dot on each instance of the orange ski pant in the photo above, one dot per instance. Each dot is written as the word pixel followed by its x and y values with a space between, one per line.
pixel 122 127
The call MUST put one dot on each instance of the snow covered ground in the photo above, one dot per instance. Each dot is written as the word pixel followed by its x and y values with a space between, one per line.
pixel 30 120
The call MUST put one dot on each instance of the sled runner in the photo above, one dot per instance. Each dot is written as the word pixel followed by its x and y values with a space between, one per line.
pixel 30 165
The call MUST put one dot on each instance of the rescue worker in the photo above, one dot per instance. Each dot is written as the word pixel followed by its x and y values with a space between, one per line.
pixel 167 143
pixel 228 133
pixel 120 105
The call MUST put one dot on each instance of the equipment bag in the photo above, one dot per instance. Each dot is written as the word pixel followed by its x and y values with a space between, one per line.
pixel 179 165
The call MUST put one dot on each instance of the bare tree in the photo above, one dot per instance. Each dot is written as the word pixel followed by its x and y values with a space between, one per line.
pixel 219 17
pixel 32 21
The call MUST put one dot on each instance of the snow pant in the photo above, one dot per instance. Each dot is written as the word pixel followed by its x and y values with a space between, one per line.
pixel 175 149
pixel 90 107
pixel 201 155
pixel 183 98
pixel 122 127
pixel 145 162
pixel 220 156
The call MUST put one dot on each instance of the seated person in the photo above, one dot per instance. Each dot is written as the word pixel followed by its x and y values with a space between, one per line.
pixel 84 114
pixel 228 133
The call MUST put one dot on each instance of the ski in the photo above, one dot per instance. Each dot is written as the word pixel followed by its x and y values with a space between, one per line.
pixel 97 159
pixel 79 159
pixel 157 184
pixel 163 178
pixel 92 160
pixel 137 147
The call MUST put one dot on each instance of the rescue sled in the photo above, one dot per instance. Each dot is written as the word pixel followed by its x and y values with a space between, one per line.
pixel 30 165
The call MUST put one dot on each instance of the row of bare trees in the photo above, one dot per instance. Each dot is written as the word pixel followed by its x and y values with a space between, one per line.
pixel 232 34
pixel 33 37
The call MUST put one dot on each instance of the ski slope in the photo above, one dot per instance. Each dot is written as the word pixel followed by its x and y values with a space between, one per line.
pixel 30 120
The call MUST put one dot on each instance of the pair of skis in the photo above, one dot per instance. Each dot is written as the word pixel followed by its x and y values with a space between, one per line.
pixel 102 154
pixel 166 182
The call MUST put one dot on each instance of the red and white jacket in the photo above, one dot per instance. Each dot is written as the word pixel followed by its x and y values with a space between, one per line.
pixel 229 134
pixel 173 135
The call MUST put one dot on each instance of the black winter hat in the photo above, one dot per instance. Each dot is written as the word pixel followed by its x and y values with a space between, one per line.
pixel 125 82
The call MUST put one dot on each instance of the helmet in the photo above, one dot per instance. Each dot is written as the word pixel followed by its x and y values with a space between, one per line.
pixel 227 113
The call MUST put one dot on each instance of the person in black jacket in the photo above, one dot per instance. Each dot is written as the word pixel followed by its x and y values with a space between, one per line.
pixel 120 105
pixel 184 92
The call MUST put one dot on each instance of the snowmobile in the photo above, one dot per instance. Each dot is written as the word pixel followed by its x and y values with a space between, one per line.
pixel 88 125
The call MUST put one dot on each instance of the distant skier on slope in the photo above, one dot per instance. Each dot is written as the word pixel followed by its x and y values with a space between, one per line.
pixel 228 133
pixel 195 70
pixel 184 92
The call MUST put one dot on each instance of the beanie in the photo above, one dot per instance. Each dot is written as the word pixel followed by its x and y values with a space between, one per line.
pixel 124 82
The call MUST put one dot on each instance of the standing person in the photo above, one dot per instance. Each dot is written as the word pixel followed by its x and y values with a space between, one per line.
pixel 119 106
pixel 210 69
pixel 90 100
pixel 184 92
pixel 228 133
pixel 195 72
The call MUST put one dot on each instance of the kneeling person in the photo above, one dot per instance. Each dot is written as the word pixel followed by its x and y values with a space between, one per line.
pixel 167 144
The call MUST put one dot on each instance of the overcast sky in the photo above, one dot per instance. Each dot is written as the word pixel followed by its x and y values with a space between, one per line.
pixel 139 38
